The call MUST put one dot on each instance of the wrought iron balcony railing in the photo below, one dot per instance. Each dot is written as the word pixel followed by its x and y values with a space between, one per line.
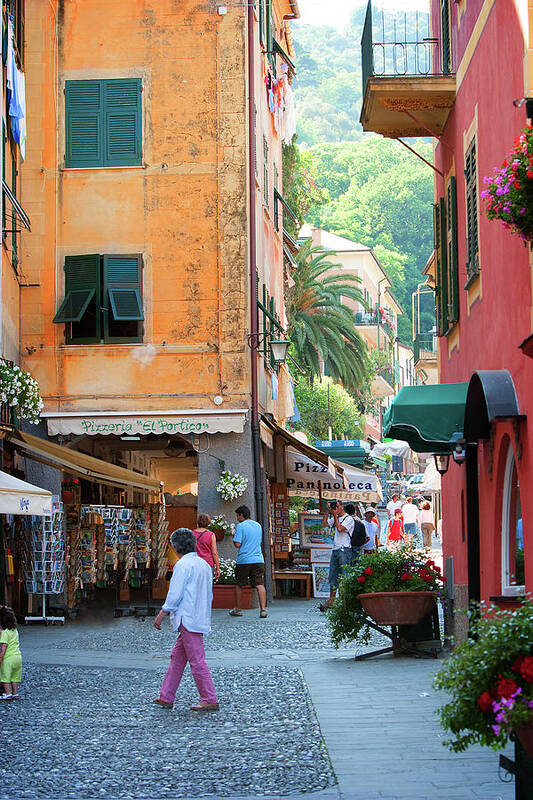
pixel 374 318
pixel 424 345
pixel 399 43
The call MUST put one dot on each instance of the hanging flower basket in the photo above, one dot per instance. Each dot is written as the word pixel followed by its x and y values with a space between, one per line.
pixel 221 527
pixel 231 485
pixel 509 192
pixel 20 391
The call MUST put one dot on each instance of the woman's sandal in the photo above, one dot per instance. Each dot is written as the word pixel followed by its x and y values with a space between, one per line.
pixel 235 613
pixel 6 696
pixel 163 703
pixel 205 707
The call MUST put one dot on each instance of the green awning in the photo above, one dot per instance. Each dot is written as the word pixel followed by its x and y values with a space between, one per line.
pixel 355 456
pixel 426 416
pixel 379 462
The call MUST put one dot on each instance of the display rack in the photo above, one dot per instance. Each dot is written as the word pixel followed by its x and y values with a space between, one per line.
pixel 45 569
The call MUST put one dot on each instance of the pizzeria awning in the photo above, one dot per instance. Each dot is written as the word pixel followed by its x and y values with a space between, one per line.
pixel 19 497
pixel 426 417
pixel 81 464
pixel 119 423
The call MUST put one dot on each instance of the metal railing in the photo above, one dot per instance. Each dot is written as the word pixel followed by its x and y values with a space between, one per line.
pixel 398 43
pixel 374 318
pixel 388 374
pixel 424 345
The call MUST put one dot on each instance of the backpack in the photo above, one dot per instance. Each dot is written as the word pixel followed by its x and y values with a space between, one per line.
pixel 358 537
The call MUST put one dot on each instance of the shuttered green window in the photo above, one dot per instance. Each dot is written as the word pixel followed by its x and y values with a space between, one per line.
pixel 103 123
pixel 452 261
pixel 439 219
pixel 262 22
pixel 472 241
pixel 446 51
pixel 103 299
pixel 266 198
pixel 122 297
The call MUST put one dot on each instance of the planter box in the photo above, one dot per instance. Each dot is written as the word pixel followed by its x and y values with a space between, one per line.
pixel 224 596
pixel 397 608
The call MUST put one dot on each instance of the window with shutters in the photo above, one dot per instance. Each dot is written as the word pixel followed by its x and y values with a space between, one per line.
pixel 103 299
pixel 472 223
pixel 103 123
pixel 276 192
pixel 17 9
pixel 445 42
pixel 265 172
pixel 441 260
pixel 452 257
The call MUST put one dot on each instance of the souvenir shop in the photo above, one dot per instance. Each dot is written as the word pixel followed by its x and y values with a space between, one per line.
pixel 79 554
pixel 300 545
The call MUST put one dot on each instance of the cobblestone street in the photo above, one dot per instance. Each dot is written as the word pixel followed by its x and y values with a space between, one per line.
pixel 296 717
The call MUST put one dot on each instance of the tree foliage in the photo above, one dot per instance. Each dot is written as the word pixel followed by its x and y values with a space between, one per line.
pixel 321 329
pixel 323 403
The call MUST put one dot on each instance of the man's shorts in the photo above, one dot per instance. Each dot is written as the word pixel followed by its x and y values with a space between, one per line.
pixel 253 574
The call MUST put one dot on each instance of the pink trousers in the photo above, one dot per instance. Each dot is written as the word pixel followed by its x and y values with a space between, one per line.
pixel 189 647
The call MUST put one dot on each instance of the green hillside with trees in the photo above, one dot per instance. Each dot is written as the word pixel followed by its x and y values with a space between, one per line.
pixel 364 187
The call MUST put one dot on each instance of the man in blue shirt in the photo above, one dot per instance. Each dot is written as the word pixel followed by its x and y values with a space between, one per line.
pixel 250 563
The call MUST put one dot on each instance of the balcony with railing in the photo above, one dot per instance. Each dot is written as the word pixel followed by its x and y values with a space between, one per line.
pixel 425 348
pixel 374 323
pixel 408 80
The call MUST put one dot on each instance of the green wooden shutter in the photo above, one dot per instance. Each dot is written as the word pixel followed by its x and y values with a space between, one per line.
pixel 84 146
pixel 122 122
pixel 82 284
pixel 262 22
pixel 445 36
pixel 122 285
pixel 472 243
pixel 439 221
pixel 453 268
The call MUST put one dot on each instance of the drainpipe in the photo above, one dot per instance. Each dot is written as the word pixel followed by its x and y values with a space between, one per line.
pixel 256 442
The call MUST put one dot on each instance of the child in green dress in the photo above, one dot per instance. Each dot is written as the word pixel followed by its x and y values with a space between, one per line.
pixel 10 657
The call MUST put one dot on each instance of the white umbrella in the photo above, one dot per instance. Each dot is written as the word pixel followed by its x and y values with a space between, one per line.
pixel 19 497
pixel 393 448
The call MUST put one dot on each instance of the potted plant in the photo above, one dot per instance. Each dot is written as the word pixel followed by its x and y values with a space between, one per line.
pixel 221 527
pixel 490 680
pixel 393 588
pixel 509 192
pixel 20 392
pixel 231 485
pixel 223 590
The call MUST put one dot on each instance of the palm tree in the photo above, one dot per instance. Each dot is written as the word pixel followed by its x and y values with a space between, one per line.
pixel 320 327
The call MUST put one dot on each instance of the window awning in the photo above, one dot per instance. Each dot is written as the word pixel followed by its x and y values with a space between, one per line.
pixel 491 396
pixel 279 197
pixel 16 205
pixel 19 497
pixel 350 452
pixel 426 416
pixel 76 463
pixel 290 242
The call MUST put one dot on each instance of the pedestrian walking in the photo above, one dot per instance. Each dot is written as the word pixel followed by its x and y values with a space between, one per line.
pixel 189 601
pixel 10 656
pixel 410 520
pixel 341 524
pixel 427 523
pixel 393 504
pixel 395 531
pixel 372 531
pixel 250 562
pixel 206 544
pixel 358 537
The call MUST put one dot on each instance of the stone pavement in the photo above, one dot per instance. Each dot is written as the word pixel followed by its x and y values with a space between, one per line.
pixel 296 716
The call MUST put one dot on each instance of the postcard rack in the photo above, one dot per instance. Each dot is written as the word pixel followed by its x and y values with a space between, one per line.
pixel 45 567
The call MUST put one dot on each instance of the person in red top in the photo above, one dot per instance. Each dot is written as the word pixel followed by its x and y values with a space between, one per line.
pixel 395 531
pixel 206 544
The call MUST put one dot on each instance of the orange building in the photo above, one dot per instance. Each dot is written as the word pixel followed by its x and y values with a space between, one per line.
pixel 138 309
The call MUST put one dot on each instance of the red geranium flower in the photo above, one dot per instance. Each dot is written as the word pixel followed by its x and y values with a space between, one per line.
pixel 517 185
pixel 484 701
pixel 526 668
pixel 506 687
pixel 406 576
pixel 361 579
pixel 369 571
pixel 529 174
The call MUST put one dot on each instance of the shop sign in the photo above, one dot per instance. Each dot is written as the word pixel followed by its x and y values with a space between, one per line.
pixel 94 425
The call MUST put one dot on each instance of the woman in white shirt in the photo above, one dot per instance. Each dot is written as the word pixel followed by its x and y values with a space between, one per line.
pixel 189 601
pixel 427 523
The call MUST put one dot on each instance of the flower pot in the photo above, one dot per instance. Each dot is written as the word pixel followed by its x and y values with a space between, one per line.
pixel 224 596
pixel 397 608
pixel 525 734
pixel 219 534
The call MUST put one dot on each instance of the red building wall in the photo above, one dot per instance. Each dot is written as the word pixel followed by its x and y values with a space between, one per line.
pixel 492 326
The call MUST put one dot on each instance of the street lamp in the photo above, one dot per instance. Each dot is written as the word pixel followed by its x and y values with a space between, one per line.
pixel 442 462
pixel 279 349
pixel 459 448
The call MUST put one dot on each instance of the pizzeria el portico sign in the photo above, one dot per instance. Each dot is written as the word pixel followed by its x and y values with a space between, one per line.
pixel 119 424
